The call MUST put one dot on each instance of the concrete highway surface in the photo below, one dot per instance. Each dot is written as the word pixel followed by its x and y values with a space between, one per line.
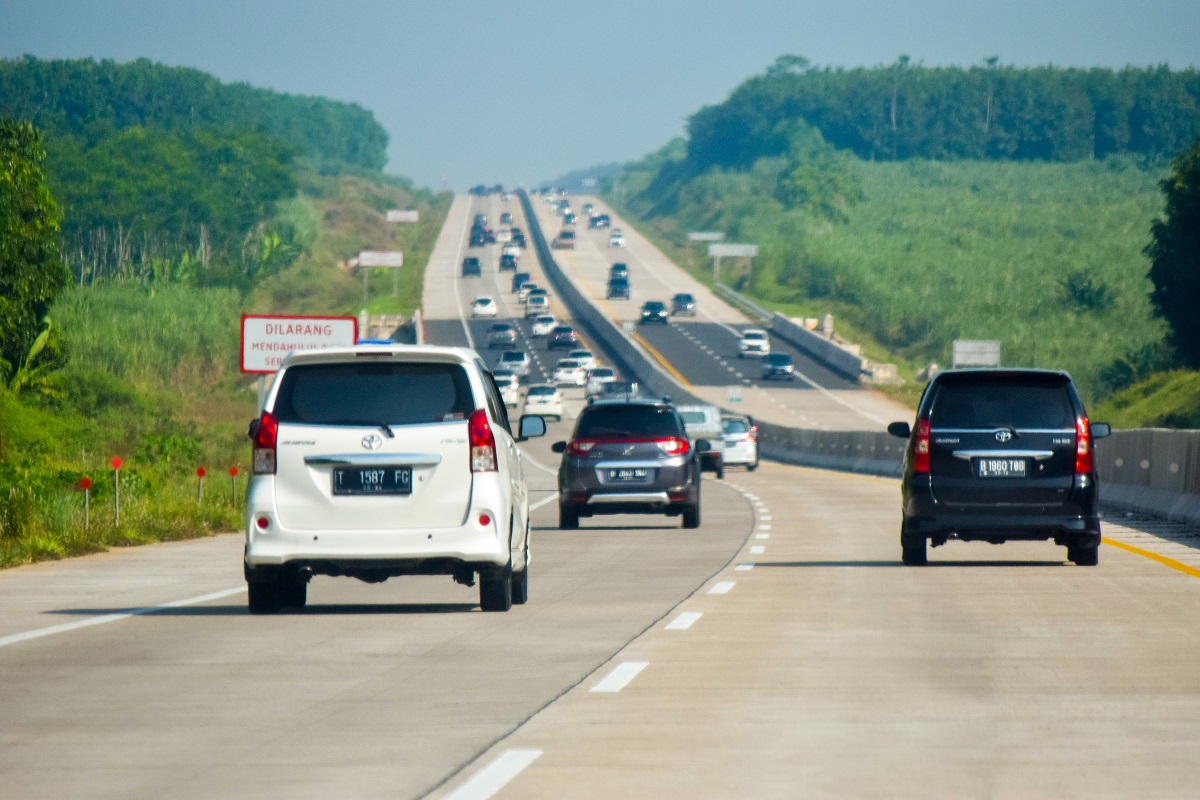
pixel 779 651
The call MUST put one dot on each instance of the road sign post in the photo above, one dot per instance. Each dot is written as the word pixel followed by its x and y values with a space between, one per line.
pixel 718 249
pixel 392 259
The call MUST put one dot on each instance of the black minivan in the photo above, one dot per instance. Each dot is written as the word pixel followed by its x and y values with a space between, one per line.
pixel 1000 455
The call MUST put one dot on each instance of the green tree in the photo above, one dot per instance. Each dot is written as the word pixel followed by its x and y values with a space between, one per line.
pixel 1175 255
pixel 31 272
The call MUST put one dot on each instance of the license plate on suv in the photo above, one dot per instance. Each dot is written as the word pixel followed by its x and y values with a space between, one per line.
pixel 1000 467
pixel 628 474
pixel 372 480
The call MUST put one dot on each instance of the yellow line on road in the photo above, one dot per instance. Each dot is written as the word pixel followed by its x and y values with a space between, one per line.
pixel 661 360
pixel 1169 562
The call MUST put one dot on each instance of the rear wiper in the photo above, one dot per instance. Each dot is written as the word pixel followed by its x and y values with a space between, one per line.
pixel 383 426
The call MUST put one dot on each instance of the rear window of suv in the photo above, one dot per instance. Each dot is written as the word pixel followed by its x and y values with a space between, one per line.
pixel 372 394
pixel 632 421
pixel 1026 402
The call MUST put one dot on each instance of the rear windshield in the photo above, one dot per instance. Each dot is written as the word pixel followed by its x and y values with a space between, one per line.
pixel 602 372
pixel 373 394
pixel 1021 402
pixel 630 421
pixel 512 355
pixel 541 390
pixel 735 426
pixel 694 417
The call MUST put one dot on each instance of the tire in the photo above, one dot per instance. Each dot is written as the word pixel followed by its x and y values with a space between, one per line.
pixel 293 595
pixel 754 466
pixel 496 592
pixel 915 554
pixel 1084 555
pixel 691 517
pixel 721 472
pixel 263 597
pixel 568 520
pixel 520 587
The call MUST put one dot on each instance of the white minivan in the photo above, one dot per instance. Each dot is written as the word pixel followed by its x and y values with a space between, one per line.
pixel 381 462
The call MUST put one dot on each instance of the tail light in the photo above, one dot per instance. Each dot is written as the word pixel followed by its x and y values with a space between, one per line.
pixel 753 433
pixel 579 448
pixel 483 443
pixel 1083 447
pixel 675 446
pixel 265 439
pixel 921 446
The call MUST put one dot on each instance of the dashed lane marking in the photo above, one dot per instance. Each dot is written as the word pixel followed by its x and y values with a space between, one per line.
pixel 684 621
pixel 744 567
pixel 620 677
pixel 723 587
pixel 495 776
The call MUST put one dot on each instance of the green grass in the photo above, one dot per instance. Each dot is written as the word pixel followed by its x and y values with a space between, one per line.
pixel 939 251
pixel 1165 400
pixel 153 377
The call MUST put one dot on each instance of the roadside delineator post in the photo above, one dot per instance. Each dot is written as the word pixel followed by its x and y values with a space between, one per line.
pixel 233 471
pixel 200 473
pixel 85 483
pixel 116 465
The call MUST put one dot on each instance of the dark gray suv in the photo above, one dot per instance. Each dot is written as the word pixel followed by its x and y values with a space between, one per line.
pixel 1000 455
pixel 629 457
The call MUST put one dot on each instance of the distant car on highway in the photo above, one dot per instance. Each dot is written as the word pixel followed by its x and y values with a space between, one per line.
pixel 778 366
pixel 545 400
pixel 683 305
pixel 631 457
pixel 655 311
pixel 741 441
pixel 543 324
pixel 703 423
pixel 503 235
pixel 1000 455
pixel 754 342
pixel 519 280
pixel 502 334
pixel 620 390
pixel 617 289
pixel 483 307
pixel 509 384
pixel 508 263
pixel 569 219
pixel 599 221
pixel 358 454
pixel 471 267
pixel 526 288
pixel 584 357
pixel 596 378
pixel 564 241
pixel 619 270
pixel 569 372
pixel 506 217
pixel 511 249
pixel 536 304
pixel 516 361
pixel 562 336
pixel 616 239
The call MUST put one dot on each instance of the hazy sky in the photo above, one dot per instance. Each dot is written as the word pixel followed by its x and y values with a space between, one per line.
pixel 522 91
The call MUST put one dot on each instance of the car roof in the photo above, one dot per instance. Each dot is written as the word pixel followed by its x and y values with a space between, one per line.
pixel 411 352
pixel 756 331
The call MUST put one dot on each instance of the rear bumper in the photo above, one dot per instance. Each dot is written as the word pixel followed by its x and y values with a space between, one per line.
pixel 649 501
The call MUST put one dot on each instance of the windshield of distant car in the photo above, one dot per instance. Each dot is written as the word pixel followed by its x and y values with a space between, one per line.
pixel 628 421
pixel 542 391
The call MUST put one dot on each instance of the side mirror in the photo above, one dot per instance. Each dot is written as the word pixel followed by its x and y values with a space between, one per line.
pixel 900 429
pixel 703 446
pixel 530 427
pixel 1100 430
pixel 558 447
pixel 252 431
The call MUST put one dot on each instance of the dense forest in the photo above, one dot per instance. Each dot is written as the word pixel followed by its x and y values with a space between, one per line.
pixel 986 112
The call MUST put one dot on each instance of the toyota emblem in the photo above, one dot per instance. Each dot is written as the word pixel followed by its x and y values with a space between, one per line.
pixel 1003 436
pixel 372 441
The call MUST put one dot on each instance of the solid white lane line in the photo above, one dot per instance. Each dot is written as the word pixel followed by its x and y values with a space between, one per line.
pixel 757 549
pixel 723 587
pixel 538 464
pixel 744 567
pixel 495 776
pixel 684 621
pixel 66 627
pixel 620 677
pixel 763 536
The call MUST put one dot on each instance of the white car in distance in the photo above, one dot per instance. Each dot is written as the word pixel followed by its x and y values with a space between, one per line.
pixel 544 400
pixel 516 361
pixel 596 378
pixel 585 358
pixel 616 239
pixel 503 235
pixel 543 324
pixel 511 249
pixel 569 372
pixel 754 342
pixel 526 288
pixel 483 307
pixel 510 386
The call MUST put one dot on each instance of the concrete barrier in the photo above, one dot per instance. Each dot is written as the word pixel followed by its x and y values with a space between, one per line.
pixel 1152 471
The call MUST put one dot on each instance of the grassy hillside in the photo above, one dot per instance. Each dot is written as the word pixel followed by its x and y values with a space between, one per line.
pixel 1044 257
pixel 153 377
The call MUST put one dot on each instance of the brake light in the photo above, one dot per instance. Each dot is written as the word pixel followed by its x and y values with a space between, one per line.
pixel 921 446
pixel 675 446
pixel 753 433
pixel 265 440
pixel 483 442
pixel 1083 447
pixel 580 448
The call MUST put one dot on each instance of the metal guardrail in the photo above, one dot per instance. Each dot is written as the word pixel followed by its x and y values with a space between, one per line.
pixel 1150 470
pixel 745 303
